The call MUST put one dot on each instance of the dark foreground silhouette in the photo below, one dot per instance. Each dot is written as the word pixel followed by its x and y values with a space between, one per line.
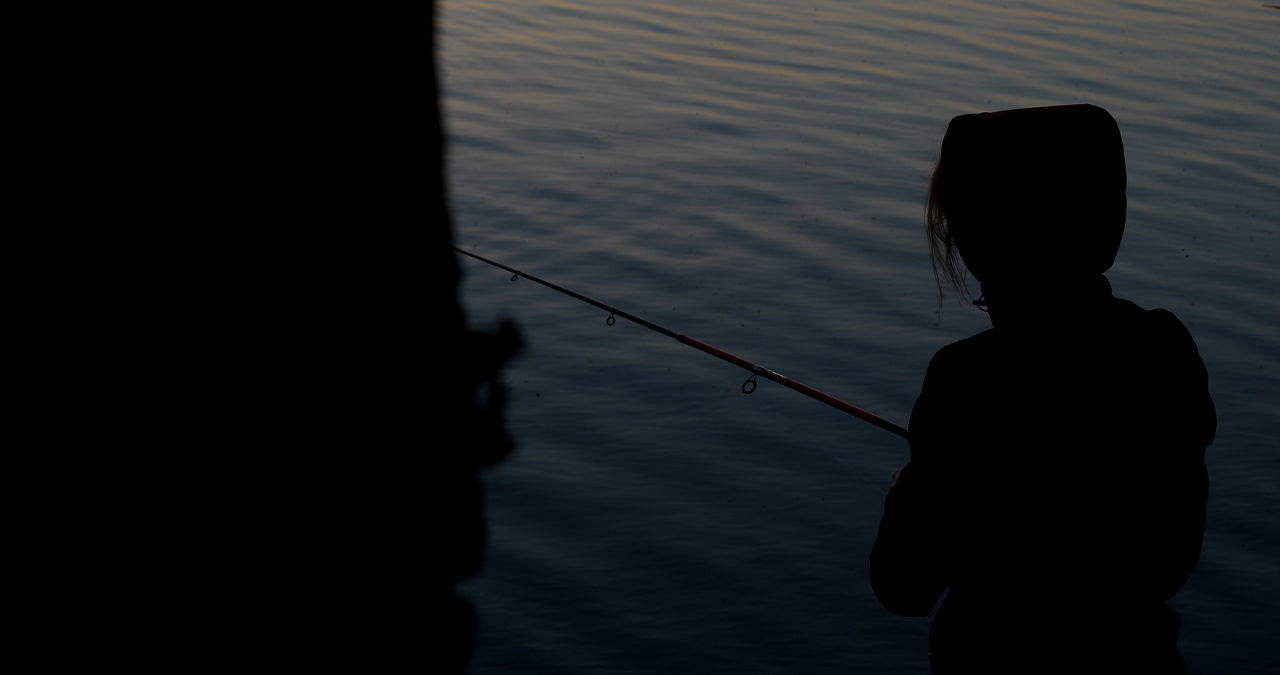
pixel 468 423
pixel 1056 489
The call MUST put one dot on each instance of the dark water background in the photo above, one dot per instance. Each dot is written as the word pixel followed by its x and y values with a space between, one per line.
pixel 753 175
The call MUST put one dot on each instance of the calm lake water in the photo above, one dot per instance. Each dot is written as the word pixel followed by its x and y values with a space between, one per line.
pixel 753 175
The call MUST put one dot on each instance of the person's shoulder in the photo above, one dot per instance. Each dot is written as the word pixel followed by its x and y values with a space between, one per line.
pixel 1157 334
pixel 1166 321
pixel 976 342
pixel 1157 321
pixel 965 350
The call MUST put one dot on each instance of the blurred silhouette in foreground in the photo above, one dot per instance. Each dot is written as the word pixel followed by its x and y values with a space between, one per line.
pixel 1056 488
pixel 468 430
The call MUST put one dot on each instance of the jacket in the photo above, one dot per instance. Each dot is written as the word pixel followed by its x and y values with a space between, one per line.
pixel 1056 489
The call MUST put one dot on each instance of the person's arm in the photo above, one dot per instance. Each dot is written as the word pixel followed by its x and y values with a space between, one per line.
pixel 905 571
pixel 906 565
pixel 1188 425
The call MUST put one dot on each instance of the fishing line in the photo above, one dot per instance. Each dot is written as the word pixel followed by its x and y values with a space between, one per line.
pixel 756 370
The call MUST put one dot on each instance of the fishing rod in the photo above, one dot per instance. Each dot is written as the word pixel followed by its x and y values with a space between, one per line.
pixel 756 370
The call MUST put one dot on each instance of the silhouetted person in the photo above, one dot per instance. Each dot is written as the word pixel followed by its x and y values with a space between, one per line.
pixel 1056 489
pixel 466 432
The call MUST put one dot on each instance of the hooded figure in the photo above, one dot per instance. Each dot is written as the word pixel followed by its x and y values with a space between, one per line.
pixel 1056 489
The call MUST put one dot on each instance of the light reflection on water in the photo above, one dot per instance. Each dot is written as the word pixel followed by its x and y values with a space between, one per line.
pixel 752 174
